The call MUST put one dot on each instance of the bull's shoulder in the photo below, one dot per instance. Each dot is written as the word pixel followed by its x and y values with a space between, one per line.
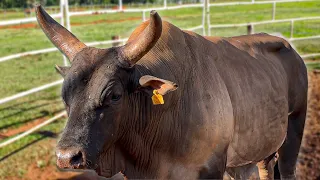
pixel 261 41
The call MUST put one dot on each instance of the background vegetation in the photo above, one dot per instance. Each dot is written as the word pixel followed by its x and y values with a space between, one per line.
pixel 30 3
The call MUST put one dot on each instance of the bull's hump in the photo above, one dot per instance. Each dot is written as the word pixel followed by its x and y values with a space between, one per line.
pixel 261 41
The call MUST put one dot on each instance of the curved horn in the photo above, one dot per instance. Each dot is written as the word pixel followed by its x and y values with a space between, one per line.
pixel 134 50
pixel 64 40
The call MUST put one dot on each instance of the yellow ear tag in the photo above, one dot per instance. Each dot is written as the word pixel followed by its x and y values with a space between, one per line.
pixel 157 98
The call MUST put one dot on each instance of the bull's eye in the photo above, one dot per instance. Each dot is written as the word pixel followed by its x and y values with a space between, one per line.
pixel 115 97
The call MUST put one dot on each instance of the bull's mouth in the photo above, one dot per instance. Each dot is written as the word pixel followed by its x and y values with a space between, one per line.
pixel 76 166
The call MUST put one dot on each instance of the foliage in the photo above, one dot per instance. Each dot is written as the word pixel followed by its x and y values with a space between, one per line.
pixel 5 4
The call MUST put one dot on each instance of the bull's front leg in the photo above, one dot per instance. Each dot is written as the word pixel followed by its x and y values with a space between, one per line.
pixel 262 170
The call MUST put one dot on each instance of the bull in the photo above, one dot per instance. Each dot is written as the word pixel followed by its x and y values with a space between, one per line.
pixel 239 101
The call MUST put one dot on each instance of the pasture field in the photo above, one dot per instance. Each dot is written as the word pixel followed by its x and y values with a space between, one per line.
pixel 18 13
pixel 31 71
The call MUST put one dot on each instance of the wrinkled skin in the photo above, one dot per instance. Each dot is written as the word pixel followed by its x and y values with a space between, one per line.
pixel 239 101
pixel 88 111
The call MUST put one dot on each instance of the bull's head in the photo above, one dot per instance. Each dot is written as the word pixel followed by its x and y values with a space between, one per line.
pixel 97 88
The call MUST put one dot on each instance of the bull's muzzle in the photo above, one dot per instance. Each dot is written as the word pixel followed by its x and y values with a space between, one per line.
pixel 71 158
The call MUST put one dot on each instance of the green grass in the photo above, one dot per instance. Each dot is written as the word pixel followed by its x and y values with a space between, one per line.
pixel 37 148
pixel 42 105
pixel 255 13
pixel 313 66
pixel 29 108
pixel 28 72
pixel 25 73
pixel 13 14
pixel 21 40
pixel 18 13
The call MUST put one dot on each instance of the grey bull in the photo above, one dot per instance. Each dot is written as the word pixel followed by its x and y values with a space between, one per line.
pixel 239 101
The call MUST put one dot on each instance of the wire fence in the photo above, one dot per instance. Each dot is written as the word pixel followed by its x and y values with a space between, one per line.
pixel 64 12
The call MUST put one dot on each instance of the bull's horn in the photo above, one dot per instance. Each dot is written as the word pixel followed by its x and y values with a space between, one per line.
pixel 64 40
pixel 134 50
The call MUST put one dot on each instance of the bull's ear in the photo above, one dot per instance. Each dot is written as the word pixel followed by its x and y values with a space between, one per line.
pixel 62 70
pixel 162 86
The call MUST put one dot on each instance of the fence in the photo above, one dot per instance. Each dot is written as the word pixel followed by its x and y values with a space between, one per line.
pixel 250 26
pixel 65 6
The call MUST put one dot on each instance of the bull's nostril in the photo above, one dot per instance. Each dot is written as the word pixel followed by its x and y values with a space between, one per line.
pixel 77 159
pixel 70 158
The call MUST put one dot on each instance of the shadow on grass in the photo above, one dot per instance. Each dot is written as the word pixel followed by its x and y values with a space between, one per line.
pixel 24 102
pixel 45 134
pixel 28 109
pixel 44 114
pixel 15 105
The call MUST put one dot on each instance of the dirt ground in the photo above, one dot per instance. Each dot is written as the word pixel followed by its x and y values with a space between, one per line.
pixel 308 166
pixel 43 167
pixel 14 131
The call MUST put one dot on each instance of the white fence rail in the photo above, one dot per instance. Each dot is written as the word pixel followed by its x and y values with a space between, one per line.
pixel 134 10
pixel 31 91
pixel 251 25
pixel 19 55
pixel 25 20
pixel 64 5
pixel 309 56
pixel 253 2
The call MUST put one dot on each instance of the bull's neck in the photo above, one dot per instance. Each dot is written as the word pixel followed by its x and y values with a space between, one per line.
pixel 152 132
pixel 148 133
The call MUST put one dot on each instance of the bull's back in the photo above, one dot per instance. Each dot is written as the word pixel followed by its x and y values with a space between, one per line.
pixel 262 74
pixel 278 50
